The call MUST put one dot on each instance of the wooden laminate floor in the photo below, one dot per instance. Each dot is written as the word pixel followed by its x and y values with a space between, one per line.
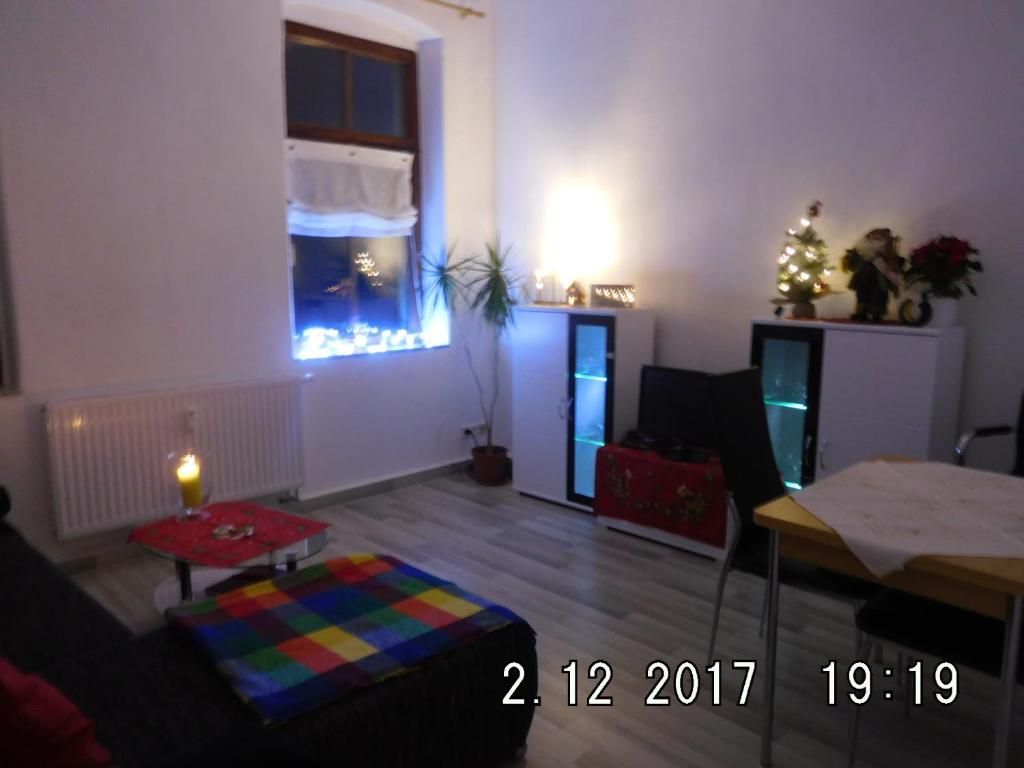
pixel 593 594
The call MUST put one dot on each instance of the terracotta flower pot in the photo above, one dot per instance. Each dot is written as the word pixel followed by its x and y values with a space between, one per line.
pixel 490 467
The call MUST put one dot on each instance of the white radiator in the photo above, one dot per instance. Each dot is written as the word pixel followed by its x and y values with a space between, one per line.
pixel 109 464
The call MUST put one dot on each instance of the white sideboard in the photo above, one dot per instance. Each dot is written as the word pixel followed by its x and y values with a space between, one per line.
pixel 575 387
pixel 869 390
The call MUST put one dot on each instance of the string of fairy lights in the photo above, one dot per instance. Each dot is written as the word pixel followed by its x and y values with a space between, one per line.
pixel 366 266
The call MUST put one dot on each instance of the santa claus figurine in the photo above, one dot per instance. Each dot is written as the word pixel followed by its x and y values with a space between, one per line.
pixel 876 265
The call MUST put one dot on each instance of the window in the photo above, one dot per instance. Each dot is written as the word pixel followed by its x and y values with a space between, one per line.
pixel 351 91
pixel 353 193
pixel 354 294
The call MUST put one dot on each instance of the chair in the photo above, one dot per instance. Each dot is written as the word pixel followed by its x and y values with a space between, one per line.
pixel 752 477
pixel 915 626
pixel 1003 429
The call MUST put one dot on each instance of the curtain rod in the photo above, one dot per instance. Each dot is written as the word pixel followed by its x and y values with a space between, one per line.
pixel 462 10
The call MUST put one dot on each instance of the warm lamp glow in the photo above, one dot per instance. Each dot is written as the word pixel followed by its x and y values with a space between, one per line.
pixel 580 234
pixel 190 481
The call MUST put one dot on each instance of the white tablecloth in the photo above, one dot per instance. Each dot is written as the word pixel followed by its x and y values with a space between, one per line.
pixel 889 513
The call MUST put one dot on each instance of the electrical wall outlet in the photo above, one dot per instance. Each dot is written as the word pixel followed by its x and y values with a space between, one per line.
pixel 474 430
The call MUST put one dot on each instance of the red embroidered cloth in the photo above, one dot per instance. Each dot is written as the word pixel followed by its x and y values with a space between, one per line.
pixel 193 540
pixel 641 487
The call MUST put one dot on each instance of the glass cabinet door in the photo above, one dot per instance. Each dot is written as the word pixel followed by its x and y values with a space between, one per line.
pixel 591 364
pixel 790 363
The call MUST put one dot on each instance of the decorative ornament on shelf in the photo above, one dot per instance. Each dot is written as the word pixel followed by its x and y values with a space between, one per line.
pixel 574 295
pixel 875 265
pixel 803 266
pixel 546 286
pixel 538 280
pixel 915 311
pixel 944 265
pixel 612 295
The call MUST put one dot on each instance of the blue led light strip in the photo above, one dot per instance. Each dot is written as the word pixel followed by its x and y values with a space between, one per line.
pixel 784 404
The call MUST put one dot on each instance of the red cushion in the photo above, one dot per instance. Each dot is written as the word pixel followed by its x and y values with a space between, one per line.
pixel 40 726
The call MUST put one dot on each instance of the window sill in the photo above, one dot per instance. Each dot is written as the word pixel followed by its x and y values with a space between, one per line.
pixel 327 344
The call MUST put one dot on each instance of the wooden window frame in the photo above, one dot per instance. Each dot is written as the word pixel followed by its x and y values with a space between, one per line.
pixel 307 35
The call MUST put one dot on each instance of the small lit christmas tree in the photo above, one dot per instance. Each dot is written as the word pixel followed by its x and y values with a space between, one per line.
pixel 803 265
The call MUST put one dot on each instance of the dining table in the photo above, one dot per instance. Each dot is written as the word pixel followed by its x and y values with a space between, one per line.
pixel 992 586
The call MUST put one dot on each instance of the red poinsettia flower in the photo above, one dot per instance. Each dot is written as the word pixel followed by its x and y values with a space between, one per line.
pixel 944 263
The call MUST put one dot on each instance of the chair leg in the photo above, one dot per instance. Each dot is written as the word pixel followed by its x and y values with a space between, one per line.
pixel 764 610
pixel 733 530
pixel 719 593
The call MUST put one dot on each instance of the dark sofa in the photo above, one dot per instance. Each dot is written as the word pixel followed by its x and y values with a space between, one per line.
pixel 157 702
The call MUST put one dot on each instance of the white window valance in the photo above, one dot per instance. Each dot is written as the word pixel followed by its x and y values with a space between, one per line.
pixel 339 190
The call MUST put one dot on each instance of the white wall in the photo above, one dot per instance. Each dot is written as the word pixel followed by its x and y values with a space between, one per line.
pixel 709 126
pixel 142 177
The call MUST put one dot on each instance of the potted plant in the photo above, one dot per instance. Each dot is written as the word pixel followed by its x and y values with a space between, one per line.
pixel 945 265
pixel 486 284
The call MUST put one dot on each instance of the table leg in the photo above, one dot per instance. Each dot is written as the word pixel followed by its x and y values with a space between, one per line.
pixel 1011 652
pixel 291 563
pixel 184 572
pixel 770 639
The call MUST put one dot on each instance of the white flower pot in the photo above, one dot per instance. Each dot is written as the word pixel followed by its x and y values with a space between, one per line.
pixel 944 312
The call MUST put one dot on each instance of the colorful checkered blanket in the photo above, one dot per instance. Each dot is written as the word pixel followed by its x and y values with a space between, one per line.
pixel 302 640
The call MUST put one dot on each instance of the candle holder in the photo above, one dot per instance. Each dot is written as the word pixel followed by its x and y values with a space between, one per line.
pixel 547 290
pixel 194 513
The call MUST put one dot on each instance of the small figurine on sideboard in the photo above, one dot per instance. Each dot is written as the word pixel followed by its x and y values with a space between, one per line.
pixel 876 265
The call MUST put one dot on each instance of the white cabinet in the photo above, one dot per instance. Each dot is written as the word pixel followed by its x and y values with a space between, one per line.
pixel 840 393
pixel 575 387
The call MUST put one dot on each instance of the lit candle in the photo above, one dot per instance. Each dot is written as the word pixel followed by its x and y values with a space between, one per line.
pixel 189 480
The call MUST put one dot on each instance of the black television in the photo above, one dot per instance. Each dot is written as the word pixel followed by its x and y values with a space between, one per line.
pixel 676 404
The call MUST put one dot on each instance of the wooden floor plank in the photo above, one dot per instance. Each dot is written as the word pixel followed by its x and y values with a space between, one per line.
pixel 596 594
